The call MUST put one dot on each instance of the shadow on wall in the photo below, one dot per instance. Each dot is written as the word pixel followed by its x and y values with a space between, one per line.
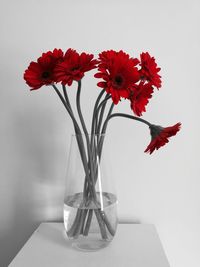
pixel 37 176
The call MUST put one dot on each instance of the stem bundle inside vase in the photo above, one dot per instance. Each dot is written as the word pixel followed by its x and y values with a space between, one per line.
pixel 91 157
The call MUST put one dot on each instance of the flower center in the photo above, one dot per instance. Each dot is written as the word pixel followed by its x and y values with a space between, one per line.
pixel 45 75
pixel 74 68
pixel 118 81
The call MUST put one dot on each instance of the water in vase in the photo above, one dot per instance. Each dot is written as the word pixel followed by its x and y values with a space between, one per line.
pixel 89 224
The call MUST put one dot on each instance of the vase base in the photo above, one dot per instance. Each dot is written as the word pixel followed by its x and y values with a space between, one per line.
pixel 83 244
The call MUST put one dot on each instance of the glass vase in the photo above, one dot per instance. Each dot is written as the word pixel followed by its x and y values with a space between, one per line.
pixel 90 202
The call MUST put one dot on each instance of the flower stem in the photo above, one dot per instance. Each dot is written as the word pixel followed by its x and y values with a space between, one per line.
pixel 79 109
pixel 118 115
pixel 66 96
pixel 101 107
pixel 94 110
pixel 92 163
pixel 86 136
pixel 124 116
pixel 78 134
pixel 101 117
pixel 87 226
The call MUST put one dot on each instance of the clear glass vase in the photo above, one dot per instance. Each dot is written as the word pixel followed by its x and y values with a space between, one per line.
pixel 90 202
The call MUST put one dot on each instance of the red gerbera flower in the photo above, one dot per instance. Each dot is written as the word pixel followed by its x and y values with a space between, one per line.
pixel 119 73
pixel 160 135
pixel 139 97
pixel 74 67
pixel 42 72
pixel 149 70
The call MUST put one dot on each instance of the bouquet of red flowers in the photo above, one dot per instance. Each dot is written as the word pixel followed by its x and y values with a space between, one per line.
pixel 121 77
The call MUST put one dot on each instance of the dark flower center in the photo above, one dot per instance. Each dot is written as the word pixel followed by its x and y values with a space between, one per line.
pixel 118 81
pixel 74 68
pixel 46 75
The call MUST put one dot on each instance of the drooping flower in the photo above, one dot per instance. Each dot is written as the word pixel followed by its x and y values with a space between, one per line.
pixel 140 96
pixel 149 70
pixel 42 72
pixel 74 67
pixel 119 73
pixel 160 136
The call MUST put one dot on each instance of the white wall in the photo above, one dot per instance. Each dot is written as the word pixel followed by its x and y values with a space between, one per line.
pixel 162 189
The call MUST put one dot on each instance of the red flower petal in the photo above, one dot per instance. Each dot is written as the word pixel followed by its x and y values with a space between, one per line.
pixel 149 70
pixel 42 72
pixel 140 98
pixel 74 66
pixel 101 84
pixel 160 136
pixel 120 73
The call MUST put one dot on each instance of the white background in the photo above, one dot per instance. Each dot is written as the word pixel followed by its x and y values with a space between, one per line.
pixel 35 130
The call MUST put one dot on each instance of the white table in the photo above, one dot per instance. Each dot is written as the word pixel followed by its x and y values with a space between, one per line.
pixel 135 245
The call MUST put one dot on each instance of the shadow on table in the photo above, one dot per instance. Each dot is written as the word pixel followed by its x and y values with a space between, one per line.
pixel 52 233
